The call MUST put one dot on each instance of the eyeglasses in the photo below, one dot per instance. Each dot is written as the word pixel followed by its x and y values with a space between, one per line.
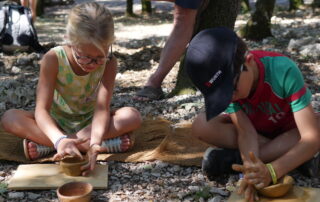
pixel 236 78
pixel 85 60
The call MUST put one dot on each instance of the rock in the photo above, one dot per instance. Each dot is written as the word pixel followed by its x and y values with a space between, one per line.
pixel 15 70
pixel 216 199
pixel 311 50
pixel 15 195
pixel 215 190
pixel 33 196
pixel 23 60
pixel 296 44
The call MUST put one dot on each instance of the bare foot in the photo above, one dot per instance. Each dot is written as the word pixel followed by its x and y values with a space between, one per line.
pixel 126 142
pixel 32 150
pixel 112 145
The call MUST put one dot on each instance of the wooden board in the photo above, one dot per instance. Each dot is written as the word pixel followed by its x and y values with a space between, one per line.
pixel 49 176
pixel 297 194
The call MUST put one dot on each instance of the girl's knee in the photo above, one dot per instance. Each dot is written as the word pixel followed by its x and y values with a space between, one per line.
pixel 130 115
pixel 9 118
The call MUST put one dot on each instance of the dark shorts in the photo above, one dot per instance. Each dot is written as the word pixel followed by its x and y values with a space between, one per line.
pixel 192 4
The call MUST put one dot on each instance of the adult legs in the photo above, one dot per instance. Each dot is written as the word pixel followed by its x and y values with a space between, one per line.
pixel 32 4
pixel 184 19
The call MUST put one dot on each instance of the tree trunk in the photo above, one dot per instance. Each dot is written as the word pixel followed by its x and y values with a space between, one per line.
pixel 316 4
pixel 129 10
pixel 40 7
pixel 146 7
pixel 216 13
pixel 259 26
pixel 294 4
pixel 245 5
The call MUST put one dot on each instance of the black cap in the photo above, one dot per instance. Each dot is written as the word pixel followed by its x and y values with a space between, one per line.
pixel 209 64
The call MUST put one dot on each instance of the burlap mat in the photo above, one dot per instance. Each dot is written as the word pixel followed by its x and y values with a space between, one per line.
pixel 157 139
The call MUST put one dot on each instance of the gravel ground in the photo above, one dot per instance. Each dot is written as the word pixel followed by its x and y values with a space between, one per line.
pixel 138 46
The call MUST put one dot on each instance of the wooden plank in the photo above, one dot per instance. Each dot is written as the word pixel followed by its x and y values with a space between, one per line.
pixel 297 194
pixel 49 176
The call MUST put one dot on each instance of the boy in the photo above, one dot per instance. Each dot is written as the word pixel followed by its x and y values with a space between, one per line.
pixel 270 113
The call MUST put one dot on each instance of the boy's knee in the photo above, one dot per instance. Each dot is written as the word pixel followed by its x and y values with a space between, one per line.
pixel 197 125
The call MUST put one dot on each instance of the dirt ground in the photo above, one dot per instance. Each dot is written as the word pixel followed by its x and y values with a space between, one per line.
pixel 138 47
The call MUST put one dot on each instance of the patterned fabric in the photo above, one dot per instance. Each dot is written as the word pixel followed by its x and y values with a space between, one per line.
pixel 280 92
pixel 74 96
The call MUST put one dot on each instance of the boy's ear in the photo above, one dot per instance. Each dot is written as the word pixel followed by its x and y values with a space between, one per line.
pixel 249 58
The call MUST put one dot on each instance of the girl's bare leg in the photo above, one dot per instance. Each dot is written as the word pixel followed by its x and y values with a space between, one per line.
pixel 22 124
pixel 122 121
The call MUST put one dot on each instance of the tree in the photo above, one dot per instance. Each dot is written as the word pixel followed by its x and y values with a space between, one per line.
pixel 146 7
pixel 259 26
pixel 129 9
pixel 316 3
pixel 294 4
pixel 245 5
pixel 40 7
pixel 217 13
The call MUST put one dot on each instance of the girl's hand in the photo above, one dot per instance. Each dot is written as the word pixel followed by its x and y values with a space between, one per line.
pixel 68 147
pixel 248 191
pixel 93 152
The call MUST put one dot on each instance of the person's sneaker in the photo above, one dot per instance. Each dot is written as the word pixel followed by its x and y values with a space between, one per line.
pixel 217 161
pixel 311 168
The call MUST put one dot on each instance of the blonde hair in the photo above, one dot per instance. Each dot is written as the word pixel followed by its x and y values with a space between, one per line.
pixel 90 23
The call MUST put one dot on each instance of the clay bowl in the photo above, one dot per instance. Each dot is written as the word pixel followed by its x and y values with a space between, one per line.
pixel 72 165
pixel 277 190
pixel 75 192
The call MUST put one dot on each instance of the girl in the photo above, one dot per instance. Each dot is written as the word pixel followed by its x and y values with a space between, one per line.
pixel 72 113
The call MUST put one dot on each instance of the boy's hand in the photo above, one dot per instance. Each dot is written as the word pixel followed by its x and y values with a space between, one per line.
pixel 68 147
pixel 255 172
pixel 93 152
pixel 248 190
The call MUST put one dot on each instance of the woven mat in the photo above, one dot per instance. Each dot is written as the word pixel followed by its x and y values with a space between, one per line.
pixel 157 139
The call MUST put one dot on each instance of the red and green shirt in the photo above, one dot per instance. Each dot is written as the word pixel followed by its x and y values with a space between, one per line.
pixel 281 91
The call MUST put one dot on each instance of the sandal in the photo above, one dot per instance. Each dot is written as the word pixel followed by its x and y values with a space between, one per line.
pixel 150 93
pixel 114 145
pixel 42 150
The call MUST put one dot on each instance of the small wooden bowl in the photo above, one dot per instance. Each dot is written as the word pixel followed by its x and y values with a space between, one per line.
pixel 72 165
pixel 277 190
pixel 75 192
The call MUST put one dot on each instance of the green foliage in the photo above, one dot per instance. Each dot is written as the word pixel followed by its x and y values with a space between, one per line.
pixel 245 6
pixel 294 4
pixel 204 193
pixel 3 189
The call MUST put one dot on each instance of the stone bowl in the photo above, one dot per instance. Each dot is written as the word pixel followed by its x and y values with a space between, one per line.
pixel 72 165
pixel 283 186
pixel 75 192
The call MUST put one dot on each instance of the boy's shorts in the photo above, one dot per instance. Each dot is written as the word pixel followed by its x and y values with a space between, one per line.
pixel 192 4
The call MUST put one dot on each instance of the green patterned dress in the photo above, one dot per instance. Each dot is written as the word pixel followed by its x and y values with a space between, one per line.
pixel 74 96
